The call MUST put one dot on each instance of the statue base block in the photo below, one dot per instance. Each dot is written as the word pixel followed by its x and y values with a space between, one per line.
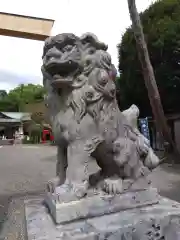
pixel 98 205
pixel 148 219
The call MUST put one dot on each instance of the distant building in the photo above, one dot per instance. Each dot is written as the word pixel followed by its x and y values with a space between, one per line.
pixel 11 123
pixel 173 121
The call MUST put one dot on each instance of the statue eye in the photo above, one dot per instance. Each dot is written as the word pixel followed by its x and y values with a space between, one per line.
pixel 67 48
pixel 91 51
pixel 58 45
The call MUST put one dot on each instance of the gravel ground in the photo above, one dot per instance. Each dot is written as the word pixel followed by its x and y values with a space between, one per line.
pixel 24 171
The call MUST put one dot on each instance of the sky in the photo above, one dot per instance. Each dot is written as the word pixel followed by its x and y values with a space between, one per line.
pixel 20 60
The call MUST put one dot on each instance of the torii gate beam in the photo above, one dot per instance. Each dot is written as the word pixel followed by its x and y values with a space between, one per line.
pixel 21 26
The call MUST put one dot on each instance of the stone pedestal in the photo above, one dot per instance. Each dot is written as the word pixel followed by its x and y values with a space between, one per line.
pixel 98 205
pixel 130 216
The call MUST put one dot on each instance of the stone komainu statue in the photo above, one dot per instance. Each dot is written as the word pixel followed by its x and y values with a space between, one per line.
pixel 86 121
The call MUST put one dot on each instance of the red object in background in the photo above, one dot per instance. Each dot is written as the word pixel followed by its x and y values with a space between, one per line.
pixel 44 135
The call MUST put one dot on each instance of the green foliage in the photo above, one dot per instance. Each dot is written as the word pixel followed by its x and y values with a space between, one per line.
pixel 3 94
pixel 6 103
pixel 37 117
pixel 16 99
pixel 161 26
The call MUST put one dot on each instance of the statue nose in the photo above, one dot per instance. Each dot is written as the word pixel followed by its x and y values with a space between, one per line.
pixel 54 52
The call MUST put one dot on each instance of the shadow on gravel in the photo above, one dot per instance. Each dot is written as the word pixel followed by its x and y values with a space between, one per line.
pixel 6 200
pixel 173 193
pixel 49 159
pixel 4 205
pixel 171 168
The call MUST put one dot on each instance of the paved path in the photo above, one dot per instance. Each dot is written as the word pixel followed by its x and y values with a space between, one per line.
pixel 25 170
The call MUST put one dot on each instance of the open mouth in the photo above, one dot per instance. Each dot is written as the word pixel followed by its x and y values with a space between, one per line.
pixel 61 72
pixel 59 69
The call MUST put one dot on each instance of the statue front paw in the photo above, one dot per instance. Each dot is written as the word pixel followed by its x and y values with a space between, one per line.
pixel 80 189
pixel 113 186
pixel 52 184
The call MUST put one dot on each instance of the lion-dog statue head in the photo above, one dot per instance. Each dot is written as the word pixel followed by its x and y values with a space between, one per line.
pixel 68 61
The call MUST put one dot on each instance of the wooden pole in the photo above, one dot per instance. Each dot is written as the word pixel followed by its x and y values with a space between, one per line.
pixel 149 77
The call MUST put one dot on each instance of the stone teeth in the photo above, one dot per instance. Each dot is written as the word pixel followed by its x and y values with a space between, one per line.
pixel 52 58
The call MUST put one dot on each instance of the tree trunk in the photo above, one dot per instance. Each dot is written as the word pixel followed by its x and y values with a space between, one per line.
pixel 149 78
